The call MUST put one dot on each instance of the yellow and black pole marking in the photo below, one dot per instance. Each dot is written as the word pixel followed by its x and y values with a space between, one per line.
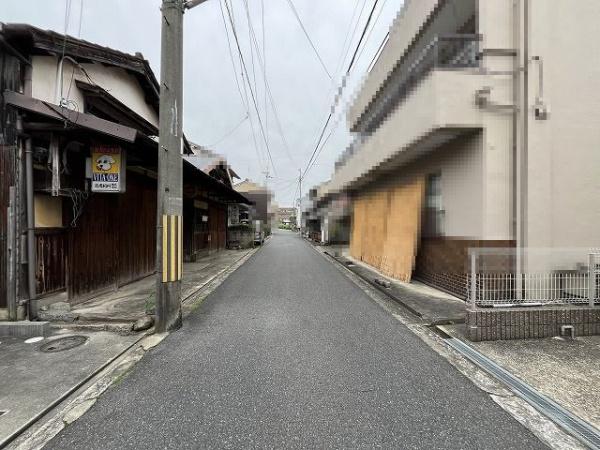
pixel 172 248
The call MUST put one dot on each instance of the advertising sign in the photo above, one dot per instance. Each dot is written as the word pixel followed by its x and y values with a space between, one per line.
pixel 106 169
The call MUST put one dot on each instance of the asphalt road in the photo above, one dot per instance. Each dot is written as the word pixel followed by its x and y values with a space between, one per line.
pixel 289 353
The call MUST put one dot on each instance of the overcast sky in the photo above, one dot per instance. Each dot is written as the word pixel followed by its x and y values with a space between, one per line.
pixel 301 89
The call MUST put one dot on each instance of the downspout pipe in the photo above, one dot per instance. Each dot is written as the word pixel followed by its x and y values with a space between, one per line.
pixel 58 88
pixel 31 244
pixel 522 30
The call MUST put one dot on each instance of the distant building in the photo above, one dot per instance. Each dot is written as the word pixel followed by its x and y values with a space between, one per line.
pixel 286 216
pixel 259 214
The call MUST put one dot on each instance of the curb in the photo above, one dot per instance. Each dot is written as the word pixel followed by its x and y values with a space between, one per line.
pixel 372 283
pixel 111 366
pixel 70 391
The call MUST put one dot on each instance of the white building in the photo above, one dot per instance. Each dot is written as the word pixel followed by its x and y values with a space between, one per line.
pixel 481 117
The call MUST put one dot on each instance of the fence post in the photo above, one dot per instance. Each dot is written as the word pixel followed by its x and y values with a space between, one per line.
pixel 473 294
pixel 592 279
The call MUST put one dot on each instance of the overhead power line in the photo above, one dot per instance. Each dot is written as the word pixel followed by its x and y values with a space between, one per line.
pixel 353 60
pixel 269 93
pixel 230 132
pixel 309 39
pixel 372 28
pixel 244 100
pixel 318 148
pixel 237 42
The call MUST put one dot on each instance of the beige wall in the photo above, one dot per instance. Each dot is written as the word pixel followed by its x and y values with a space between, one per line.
pixel 562 189
pixel 460 164
pixel 407 24
pixel 118 82
pixel 47 211
pixel 444 99
pixel 563 197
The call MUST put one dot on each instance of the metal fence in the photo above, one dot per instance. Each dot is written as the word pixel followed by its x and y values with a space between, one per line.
pixel 504 277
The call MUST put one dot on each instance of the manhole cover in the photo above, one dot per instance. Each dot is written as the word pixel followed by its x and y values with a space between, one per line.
pixel 61 344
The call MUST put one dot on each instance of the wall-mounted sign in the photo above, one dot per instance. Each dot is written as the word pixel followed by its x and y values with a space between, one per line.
pixel 106 169
pixel 199 204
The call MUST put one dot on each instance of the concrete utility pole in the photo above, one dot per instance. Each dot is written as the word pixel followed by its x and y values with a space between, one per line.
pixel 169 238
pixel 299 215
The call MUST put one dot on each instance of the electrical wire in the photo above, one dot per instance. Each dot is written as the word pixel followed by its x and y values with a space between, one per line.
pixel 232 58
pixel 318 148
pixel 78 37
pixel 243 99
pixel 353 60
pixel 230 132
pixel 309 39
pixel 375 22
pixel 378 52
pixel 249 85
pixel 264 62
pixel 270 95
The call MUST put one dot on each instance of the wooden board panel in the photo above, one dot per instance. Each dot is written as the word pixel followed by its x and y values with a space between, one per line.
pixel 374 239
pixel 8 167
pixel 51 260
pixel 136 229
pixel 93 247
pixel 114 241
pixel 358 224
pixel 403 222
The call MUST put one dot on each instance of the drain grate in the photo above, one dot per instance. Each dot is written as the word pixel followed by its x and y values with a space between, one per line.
pixel 62 344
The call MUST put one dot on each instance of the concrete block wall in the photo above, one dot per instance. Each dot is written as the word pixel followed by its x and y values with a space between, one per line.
pixel 530 323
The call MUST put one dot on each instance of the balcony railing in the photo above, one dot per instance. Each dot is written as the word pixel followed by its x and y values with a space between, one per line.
pixel 456 51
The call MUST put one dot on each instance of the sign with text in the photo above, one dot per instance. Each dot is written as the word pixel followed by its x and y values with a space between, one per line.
pixel 106 169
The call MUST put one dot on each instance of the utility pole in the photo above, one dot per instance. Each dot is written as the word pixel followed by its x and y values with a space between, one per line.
pixel 299 219
pixel 169 236
pixel 267 176
pixel 300 183
pixel 170 171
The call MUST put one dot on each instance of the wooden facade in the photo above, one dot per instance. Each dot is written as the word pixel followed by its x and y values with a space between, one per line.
pixel 88 242
pixel 11 78
pixel 204 228
pixel 114 241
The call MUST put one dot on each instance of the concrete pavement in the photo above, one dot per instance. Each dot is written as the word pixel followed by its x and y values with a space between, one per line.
pixel 290 353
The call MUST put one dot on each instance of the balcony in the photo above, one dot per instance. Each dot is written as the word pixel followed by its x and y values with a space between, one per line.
pixel 437 108
pixel 448 52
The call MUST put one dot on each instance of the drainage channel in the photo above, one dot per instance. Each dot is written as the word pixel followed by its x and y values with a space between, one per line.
pixel 572 424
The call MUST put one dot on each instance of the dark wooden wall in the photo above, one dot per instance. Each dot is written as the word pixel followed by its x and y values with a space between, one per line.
pixel 114 241
pixel 51 260
pixel 7 179
pixel 11 78
pixel 92 247
pixel 202 237
pixel 137 229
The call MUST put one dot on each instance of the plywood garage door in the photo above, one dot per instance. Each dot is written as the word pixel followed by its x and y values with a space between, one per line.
pixel 403 224
pixel 385 228
pixel 373 241
pixel 358 227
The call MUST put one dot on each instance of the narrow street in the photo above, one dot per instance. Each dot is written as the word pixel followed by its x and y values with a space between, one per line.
pixel 289 353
